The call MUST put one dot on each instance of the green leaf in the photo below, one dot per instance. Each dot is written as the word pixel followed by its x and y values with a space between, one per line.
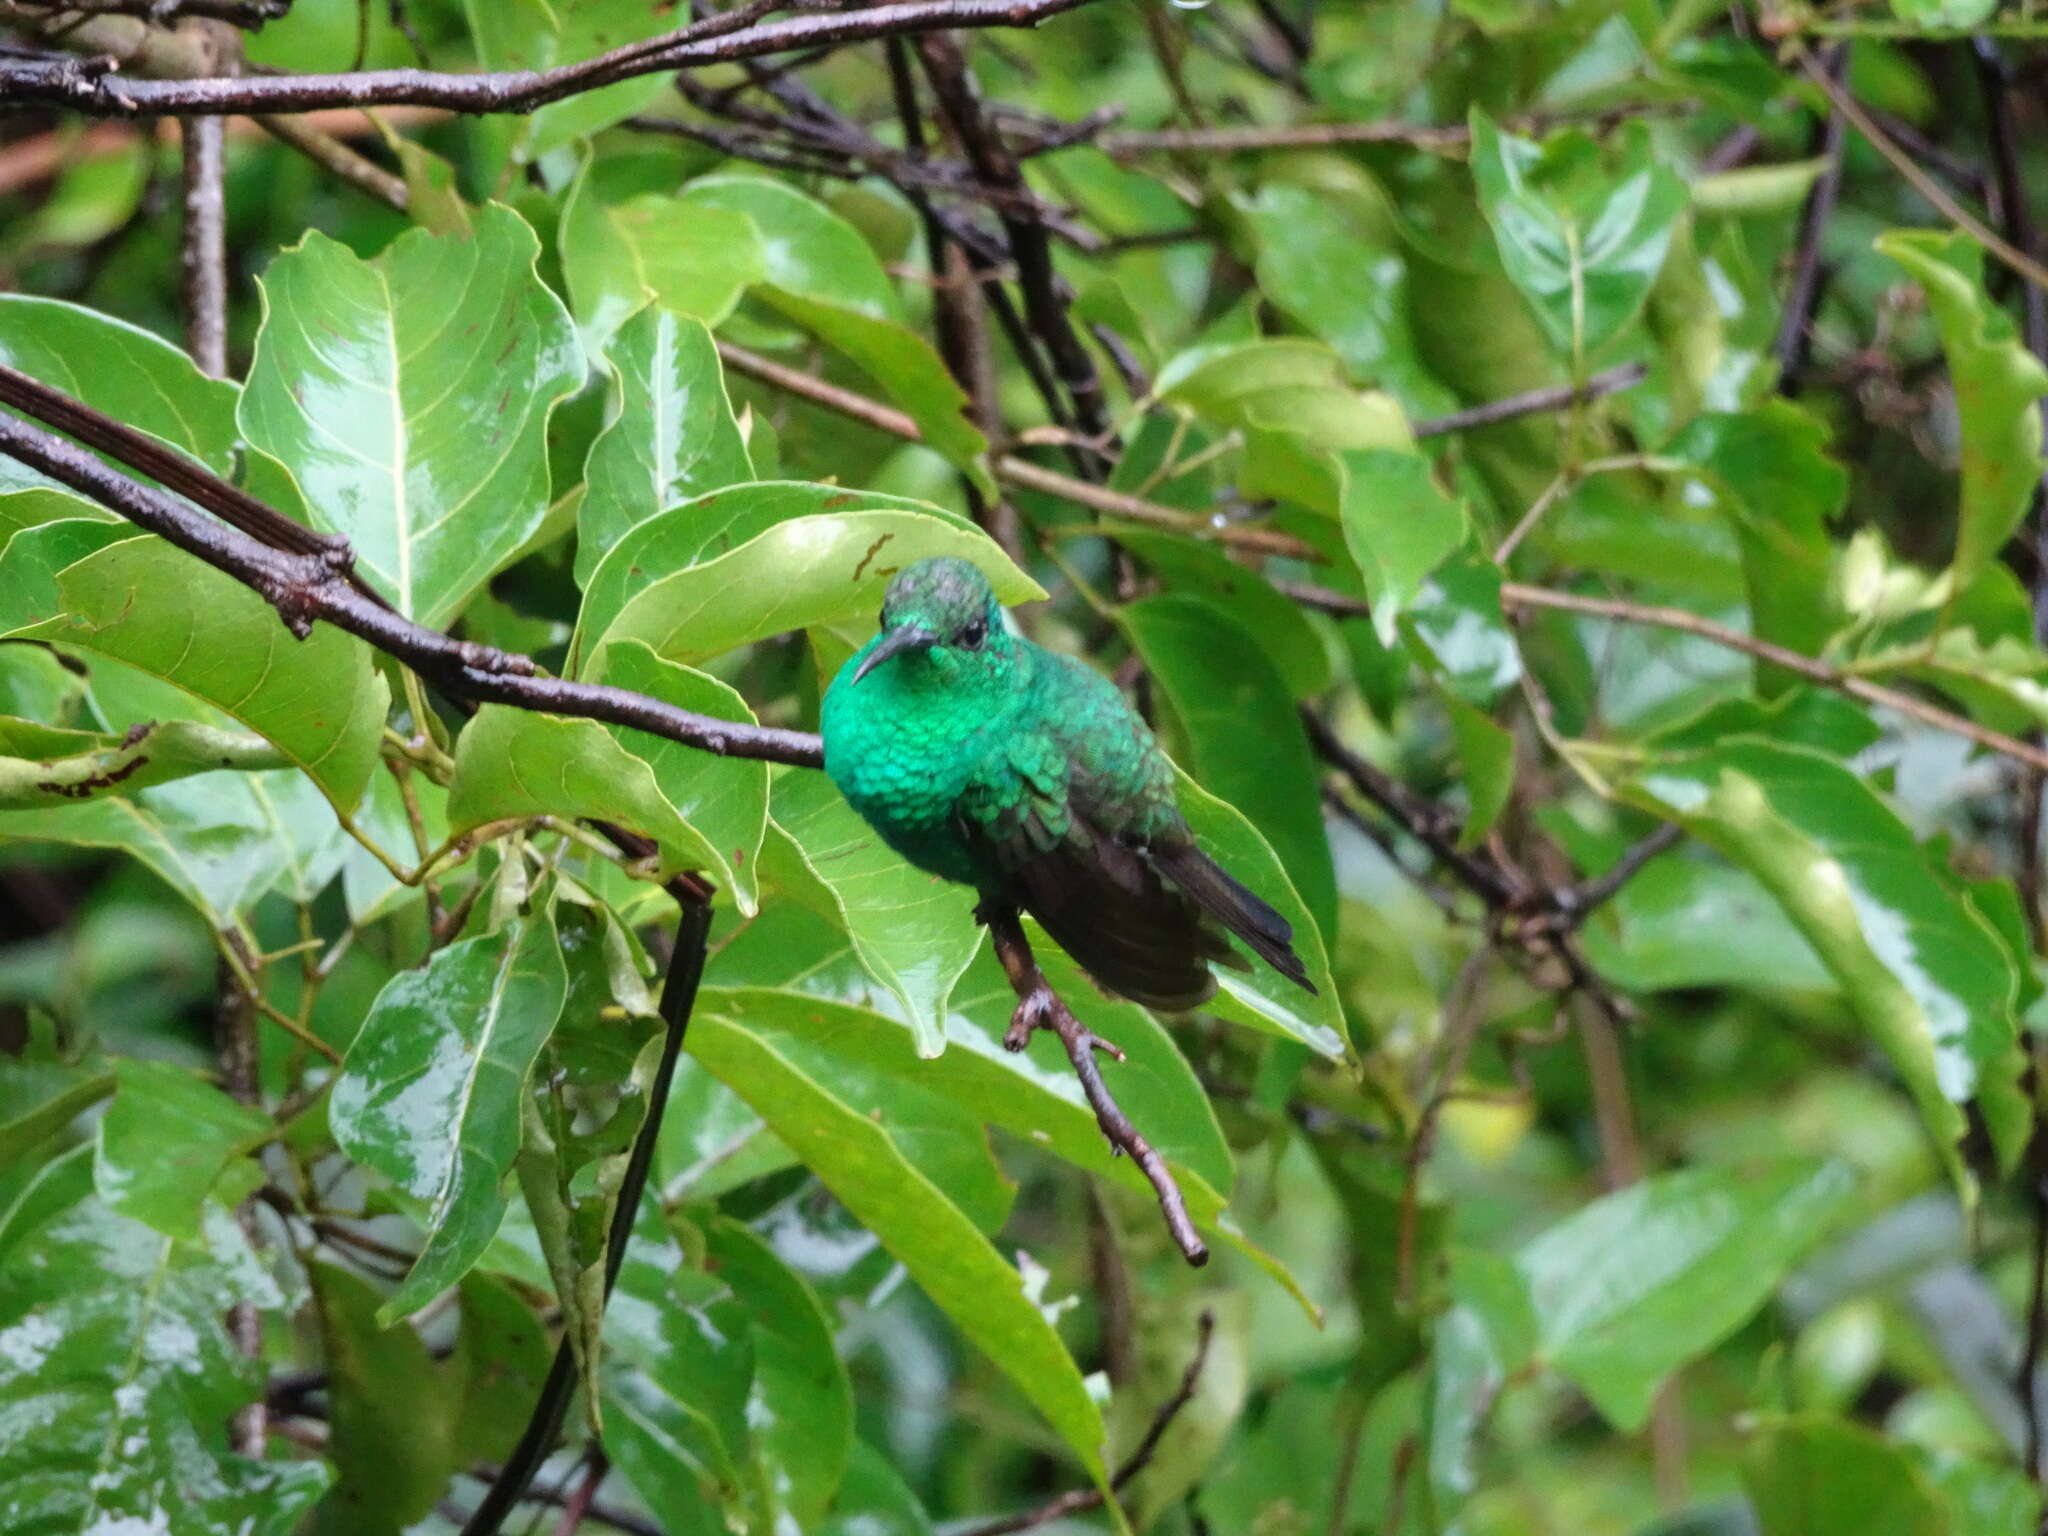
pixel 388 1417
pixel 1582 242
pixel 1205 571
pixel 1813 1476
pixel 122 370
pixel 1456 627
pixel 409 396
pixel 652 249
pixel 1923 970
pixel 823 275
pixel 1486 762
pixel 536 35
pixel 321 700
pixel 165 1142
pixel 914 933
pixel 711 525
pixel 90 764
pixel 429 1093
pixel 826 569
pixel 1769 472
pixel 1632 1286
pixel 1244 739
pixel 111 1347
pixel 32 1127
pixel 1996 381
pixel 1262 997
pixel 501 1359
pixel 874 1500
pixel 671 434
pixel 956 1266
pixel 1399 526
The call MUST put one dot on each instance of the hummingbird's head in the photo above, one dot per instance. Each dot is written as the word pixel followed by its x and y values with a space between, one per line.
pixel 942 616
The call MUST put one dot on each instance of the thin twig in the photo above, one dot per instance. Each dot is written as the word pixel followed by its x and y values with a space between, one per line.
pixel 1040 1007
pixel 204 247
pixel 238 1048
pixel 1530 402
pixel 248 14
pixel 1079 1500
pixel 1802 300
pixel 1581 900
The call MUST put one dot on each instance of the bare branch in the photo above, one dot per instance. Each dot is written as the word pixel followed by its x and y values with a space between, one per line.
pixel 1531 402
pixel 204 249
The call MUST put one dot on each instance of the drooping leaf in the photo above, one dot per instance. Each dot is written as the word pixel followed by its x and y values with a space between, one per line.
pixel 956 1266
pixel 321 700
pixel 1456 626
pixel 501 1359
pixel 1998 384
pixel 1582 241
pixel 1197 569
pixel 1399 526
pixel 166 1142
pixel 409 397
pixel 1813 1476
pixel 112 1348
pixel 1924 971
pixel 652 248
pixel 429 1092
pixel 388 1416
pixel 1629 1288
pixel 671 434
pixel 1244 739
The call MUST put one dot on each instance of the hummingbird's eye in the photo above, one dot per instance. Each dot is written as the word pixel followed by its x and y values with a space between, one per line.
pixel 973 634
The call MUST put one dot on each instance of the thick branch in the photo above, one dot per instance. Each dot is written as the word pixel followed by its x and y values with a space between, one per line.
pixel 1039 1007
pixel 87 85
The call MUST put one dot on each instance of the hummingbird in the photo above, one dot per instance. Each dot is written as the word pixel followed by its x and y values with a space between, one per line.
pixel 986 759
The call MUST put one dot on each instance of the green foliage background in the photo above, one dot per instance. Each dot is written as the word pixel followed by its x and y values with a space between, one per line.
pixel 1702 1198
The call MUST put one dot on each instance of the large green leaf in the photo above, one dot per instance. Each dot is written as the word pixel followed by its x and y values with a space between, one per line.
pixel 518 35
pixel 1399 525
pixel 118 1379
pixel 1813 1476
pixel 1262 997
pixel 388 1416
pixel 1997 383
pixel 914 932
pixel 1769 472
pixel 692 259
pixel 1244 739
pixel 321 700
pixel 122 370
pixel 813 570
pixel 1582 241
pixel 1639 1282
pixel 165 1142
pixel 429 1093
pixel 823 275
pixel 1191 567
pixel 1924 971
pixel 671 434
pixel 960 1270
pixel 708 526
pixel 409 396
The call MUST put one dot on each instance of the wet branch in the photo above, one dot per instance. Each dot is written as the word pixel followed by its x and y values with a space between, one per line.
pixel 1040 1007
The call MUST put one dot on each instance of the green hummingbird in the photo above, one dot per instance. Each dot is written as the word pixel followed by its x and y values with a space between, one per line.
pixel 984 758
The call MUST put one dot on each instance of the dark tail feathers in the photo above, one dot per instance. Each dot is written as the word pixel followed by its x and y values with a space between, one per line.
pixel 1223 897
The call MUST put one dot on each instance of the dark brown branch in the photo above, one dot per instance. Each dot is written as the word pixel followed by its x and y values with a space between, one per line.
pixel 1531 402
pixel 1579 901
pixel 86 85
pixel 1802 299
pixel 678 998
pixel 1039 1007
pixel 247 14
pixel 1082 1499
pixel 204 249
pixel 305 588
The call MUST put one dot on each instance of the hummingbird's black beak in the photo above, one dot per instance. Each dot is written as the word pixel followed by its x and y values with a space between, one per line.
pixel 904 637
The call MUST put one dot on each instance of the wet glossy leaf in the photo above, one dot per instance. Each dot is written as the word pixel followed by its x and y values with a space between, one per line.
pixel 1827 1477
pixel 671 435
pixel 1582 241
pixel 1924 972
pixel 822 274
pixel 1244 741
pixel 409 397
pixel 956 1266
pixel 429 1092
pixel 1202 570
pixel 1997 382
pixel 1456 625
pixel 814 570
pixel 1631 1287
pixel 1399 526
pixel 532 34
pixel 166 1141
pixel 122 370
pixel 389 1413
pixel 111 1346
pixel 914 932
pixel 688 258
pixel 321 700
